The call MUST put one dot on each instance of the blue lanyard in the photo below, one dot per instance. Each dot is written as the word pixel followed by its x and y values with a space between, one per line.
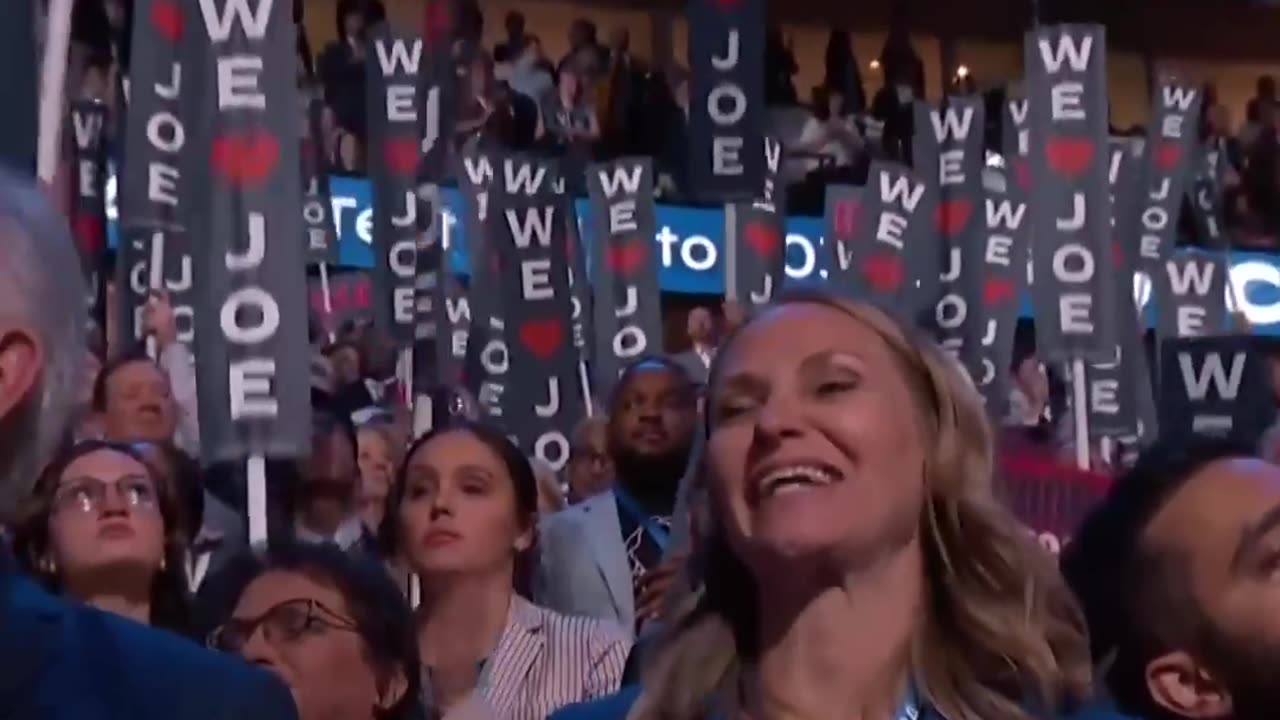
pixel 910 708
pixel 652 527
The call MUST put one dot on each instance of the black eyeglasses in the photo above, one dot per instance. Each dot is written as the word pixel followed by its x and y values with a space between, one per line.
pixel 284 623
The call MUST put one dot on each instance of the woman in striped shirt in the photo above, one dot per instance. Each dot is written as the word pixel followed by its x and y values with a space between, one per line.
pixel 463 514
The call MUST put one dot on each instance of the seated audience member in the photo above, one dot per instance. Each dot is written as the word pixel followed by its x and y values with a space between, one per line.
pixel 139 400
pixel 324 502
pixel 332 627
pixel 607 557
pixel 1176 571
pixel 590 470
pixel 463 515
pixel 102 528
pixel 378 444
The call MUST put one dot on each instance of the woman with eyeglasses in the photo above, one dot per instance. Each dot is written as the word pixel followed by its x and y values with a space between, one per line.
pixel 102 528
pixel 463 515
pixel 334 628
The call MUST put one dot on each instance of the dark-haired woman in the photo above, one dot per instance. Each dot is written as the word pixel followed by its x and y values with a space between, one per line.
pixel 334 628
pixel 463 516
pixel 103 528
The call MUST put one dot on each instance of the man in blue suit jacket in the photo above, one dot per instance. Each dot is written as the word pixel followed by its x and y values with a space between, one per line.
pixel 60 661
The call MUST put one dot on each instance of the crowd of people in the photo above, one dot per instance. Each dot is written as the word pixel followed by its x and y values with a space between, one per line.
pixel 802 515
pixel 797 518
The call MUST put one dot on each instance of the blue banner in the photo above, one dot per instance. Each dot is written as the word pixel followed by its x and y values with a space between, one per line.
pixel 690 243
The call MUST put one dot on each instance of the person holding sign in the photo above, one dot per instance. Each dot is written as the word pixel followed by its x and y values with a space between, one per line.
pixel 463 515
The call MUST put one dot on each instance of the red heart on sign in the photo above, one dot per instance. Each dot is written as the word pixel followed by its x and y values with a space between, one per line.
pixel 436 24
pixel 401 156
pixel 542 337
pixel 1167 155
pixel 997 290
pixel 246 158
pixel 952 216
pixel 762 238
pixel 883 272
pixel 1022 174
pixel 88 233
pixel 626 257
pixel 166 18
pixel 1069 156
pixel 1117 254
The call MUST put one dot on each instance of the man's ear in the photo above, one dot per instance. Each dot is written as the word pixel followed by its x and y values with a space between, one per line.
pixel 21 361
pixel 1181 685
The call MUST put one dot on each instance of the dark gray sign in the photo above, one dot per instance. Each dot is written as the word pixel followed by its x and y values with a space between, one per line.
pixel 539 385
pixel 317 202
pixel 726 93
pixel 393 63
pixel 1072 289
pixel 896 216
pixel 1215 386
pixel 757 230
pixel 1168 161
pixel 251 318
pixel 155 252
pixel 628 321
pixel 88 215
pixel 1192 292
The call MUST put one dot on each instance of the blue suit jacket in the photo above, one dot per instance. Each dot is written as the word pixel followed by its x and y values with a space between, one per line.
pixel 616 707
pixel 60 661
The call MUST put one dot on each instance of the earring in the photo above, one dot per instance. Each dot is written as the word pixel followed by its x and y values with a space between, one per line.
pixel 163 564
pixel 48 566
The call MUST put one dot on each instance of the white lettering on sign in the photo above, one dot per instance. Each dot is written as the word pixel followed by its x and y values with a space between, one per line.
pixel 622 217
pixel 535 279
pixel 618 177
pixel 400 58
pixel 1183 275
pixel 1077 56
pixel 1178 96
pixel 900 190
pixel 1213 371
pixel 532 223
pixel 1018 111
pixel 253 23
pixel 951 125
pixel 890 229
pixel 523 178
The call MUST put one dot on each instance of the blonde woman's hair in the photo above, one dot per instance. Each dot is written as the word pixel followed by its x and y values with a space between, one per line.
pixel 1001 638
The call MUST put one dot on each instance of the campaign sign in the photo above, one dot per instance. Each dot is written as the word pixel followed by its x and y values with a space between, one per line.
pixel 756 230
pixel 1214 386
pixel 539 382
pixel 88 214
pixel 948 152
pixel 896 216
pixel 981 307
pixel 1115 400
pixel 726 94
pixel 1168 161
pixel 438 91
pixel 155 252
pixel 251 317
pixel 624 268
pixel 1070 204
pixel 1194 288
pixel 393 63
pixel 842 207
pixel 317 202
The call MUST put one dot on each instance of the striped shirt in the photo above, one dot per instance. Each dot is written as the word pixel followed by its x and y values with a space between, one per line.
pixel 545 661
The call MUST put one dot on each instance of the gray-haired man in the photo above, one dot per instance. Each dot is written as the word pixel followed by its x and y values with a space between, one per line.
pixel 57 659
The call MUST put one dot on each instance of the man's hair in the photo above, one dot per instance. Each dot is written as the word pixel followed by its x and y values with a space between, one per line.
pixel 137 354
pixel 1136 599
pixel 648 363
pixel 40 288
